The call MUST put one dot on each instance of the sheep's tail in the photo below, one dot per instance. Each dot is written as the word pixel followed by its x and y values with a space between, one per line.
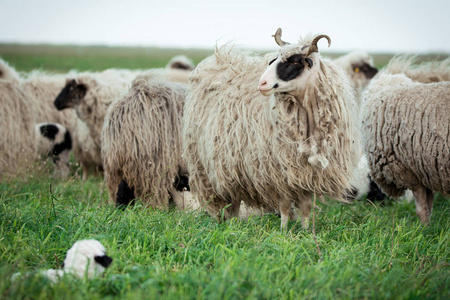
pixel 125 195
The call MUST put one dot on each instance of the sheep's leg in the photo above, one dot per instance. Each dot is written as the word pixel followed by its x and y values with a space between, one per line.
pixel 234 209
pixel 85 172
pixel 285 210
pixel 305 207
pixel 422 209
pixel 430 198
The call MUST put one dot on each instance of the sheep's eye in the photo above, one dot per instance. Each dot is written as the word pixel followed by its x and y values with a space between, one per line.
pixel 356 70
pixel 272 61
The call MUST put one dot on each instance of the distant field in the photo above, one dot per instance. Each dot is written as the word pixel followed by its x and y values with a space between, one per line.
pixel 65 58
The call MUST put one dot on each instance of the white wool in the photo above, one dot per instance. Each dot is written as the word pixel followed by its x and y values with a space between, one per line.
pixel 80 259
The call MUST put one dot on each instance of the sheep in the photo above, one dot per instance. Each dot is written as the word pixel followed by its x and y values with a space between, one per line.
pixel 7 72
pixel 17 141
pixel 428 72
pixel 86 258
pixel 359 68
pixel 180 62
pixel 406 137
pixel 141 144
pixel 41 89
pixel 276 149
pixel 90 95
pixel 54 140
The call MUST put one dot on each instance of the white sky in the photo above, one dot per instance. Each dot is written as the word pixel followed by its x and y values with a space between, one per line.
pixel 376 26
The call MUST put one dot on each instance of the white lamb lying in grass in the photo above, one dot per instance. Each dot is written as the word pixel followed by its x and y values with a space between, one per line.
pixel 85 258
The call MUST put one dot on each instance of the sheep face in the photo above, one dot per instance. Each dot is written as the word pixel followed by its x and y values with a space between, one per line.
pixel 70 95
pixel 86 257
pixel 286 73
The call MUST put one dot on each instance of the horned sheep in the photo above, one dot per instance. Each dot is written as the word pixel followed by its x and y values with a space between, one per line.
pixel 276 149
pixel 406 134
pixel 141 144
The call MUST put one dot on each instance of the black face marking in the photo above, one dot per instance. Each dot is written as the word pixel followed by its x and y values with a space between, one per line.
pixel 125 195
pixel 181 66
pixel 66 144
pixel 366 69
pixel 309 62
pixel 375 193
pixel 49 131
pixel 291 68
pixel 271 62
pixel 181 183
pixel 104 260
pixel 71 93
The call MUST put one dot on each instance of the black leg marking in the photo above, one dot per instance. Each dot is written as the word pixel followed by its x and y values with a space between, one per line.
pixel 125 195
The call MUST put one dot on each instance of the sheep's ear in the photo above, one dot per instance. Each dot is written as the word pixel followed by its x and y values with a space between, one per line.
pixel 104 260
pixel 309 62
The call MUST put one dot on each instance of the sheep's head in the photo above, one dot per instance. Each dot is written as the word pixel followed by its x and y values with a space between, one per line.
pixel 70 95
pixel 86 257
pixel 294 64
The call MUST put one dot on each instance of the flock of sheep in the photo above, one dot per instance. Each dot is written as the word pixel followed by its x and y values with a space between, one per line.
pixel 241 133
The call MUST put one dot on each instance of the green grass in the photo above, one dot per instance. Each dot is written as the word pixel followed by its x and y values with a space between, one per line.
pixel 367 251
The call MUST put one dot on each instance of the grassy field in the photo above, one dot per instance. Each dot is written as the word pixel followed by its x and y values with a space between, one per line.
pixel 367 250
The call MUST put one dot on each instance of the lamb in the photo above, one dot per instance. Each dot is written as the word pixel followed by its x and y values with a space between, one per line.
pixel 428 72
pixel 406 132
pixel 86 258
pixel 54 140
pixel 141 144
pixel 359 68
pixel 7 72
pixel 17 141
pixel 276 149
pixel 180 62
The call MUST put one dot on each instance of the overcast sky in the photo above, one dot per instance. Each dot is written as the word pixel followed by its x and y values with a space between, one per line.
pixel 376 26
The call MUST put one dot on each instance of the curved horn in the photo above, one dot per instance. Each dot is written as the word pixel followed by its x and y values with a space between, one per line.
pixel 313 46
pixel 278 39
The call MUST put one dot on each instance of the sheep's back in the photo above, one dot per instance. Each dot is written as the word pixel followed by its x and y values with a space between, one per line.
pixel 406 134
pixel 141 140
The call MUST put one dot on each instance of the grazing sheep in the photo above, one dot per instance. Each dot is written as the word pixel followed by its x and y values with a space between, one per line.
pixel 17 141
pixel 274 150
pixel 86 258
pixel 54 140
pixel 180 62
pixel 7 72
pixel 359 68
pixel 429 72
pixel 406 131
pixel 141 144
pixel 90 95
